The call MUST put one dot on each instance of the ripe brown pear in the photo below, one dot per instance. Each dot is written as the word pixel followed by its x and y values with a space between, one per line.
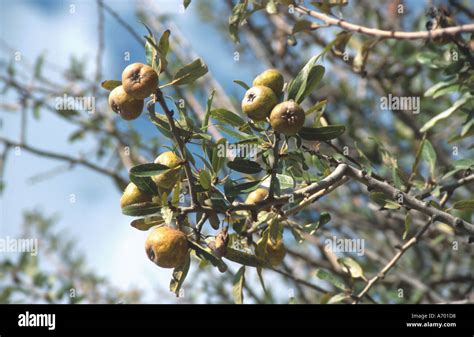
pixel 287 118
pixel 125 105
pixel 139 80
pixel 167 247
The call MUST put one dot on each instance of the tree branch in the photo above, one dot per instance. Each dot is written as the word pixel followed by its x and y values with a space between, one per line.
pixel 409 201
pixel 69 159
pixel 387 34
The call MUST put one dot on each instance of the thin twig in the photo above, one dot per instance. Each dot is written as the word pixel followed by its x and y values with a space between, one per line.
pixel 387 34
pixel 414 240
pixel 160 99
pixel 64 157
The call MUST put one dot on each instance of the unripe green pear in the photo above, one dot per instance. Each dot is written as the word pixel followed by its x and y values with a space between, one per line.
pixel 272 79
pixel 275 252
pixel 258 102
pixel 168 178
pixel 133 195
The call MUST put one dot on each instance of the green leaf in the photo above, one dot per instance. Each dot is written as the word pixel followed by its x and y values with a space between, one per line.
pixel 218 203
pixel 110 84
pixel 340 42
pixel 208 255
pixel 426 57
pixel 238 15
pixel 238 286
pixel 176 194
pixel 435 88
pixel 328 277
pixel 285 181
pixel 79 134
pixel 150 51
pixel 235 190
pixel 205 179
pixel 463 164
pixel 189 73
pixel 363 53
pixel 408 222
pixel 304 26
pixel 179 275
pixel 205 161
pixel 429 156
pixel 186 3
pixel 306 80
pixel 324 133
pixel 379 198
pixel 242 84
pixel 148 170
pixel 233 132
pixel 141 209
pixel 205 122
pixel 214 221
pixel 446 113
pixel 299 238
pixel 242 257
pixel 418 156
pixel 338 298
pixel 39 65
pixel 144 224
pixel 244 166
pixel 227 117
pixel 144 184
pixel 318 107
pixel 350 266
pixel 37 109
pixel 163 48
pixel 465 205
pixel 218 158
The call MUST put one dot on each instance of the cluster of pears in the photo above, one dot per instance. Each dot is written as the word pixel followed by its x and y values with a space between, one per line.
pixel 138 82
pixel 261 102
pixel 167 247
